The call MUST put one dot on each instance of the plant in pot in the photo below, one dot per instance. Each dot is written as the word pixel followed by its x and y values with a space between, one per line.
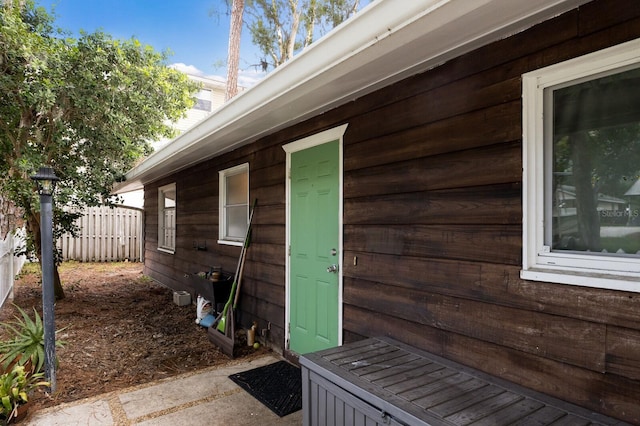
pixel 21 364
pixel 15 386
pixel 26 346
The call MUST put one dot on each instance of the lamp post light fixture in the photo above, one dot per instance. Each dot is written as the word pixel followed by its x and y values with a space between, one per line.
pixel 46 180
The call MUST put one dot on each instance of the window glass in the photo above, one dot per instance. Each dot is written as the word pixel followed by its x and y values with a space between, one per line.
pixel 167 217
pixel 169 198
pixel 203 100
pixel 237 189
pixel 592 196
pixel 236 222
pixel 234 203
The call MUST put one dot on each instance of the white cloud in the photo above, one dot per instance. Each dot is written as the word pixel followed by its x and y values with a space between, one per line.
pixel 250 77
pixel 187 69
pixel 246 78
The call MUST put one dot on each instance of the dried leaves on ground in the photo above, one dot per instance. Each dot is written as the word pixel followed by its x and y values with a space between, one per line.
pixel 121 329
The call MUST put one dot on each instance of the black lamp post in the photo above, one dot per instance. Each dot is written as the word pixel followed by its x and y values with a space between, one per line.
pixel 46 180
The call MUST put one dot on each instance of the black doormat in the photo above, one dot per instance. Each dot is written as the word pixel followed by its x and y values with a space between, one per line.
pixel 278 386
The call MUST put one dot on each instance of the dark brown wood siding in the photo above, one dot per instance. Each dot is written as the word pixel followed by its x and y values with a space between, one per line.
pixel 433 224
pixel 197 224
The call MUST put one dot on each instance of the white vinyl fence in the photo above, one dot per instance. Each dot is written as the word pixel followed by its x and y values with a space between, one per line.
pixel 10 265
pixel 106 235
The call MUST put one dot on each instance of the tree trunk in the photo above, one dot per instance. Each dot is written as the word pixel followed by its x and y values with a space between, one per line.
pixel 586 195
pixel 58 291
pixel 233 55
pixel 296 15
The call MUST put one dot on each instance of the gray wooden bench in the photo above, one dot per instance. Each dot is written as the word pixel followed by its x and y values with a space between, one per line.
pixel 383 382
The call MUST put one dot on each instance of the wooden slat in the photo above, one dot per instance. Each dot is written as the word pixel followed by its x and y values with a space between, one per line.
pixel 544 416
pixel 354 352
pixel 274 174
pixel 265 291
pixel 488 205
pixel 488 243
pixel 570 420
pixel 401 373
pixel 453 398
pixel 455 394
pixel 498 284
pixel 392 361
pixel 446 171
pixel 528 331
pixel 504 409
pixel 534 371
pixel 419 387
pixel 372 358
pixel 623 352
pixel 457 133
pixel 599 15
pixel 440 103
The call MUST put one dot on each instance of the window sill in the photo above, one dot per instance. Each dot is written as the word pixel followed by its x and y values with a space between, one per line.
pixel 167 250
pixel 231 243
pixel 621 282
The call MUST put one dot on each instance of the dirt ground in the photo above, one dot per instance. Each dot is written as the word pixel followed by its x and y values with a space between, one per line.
pixel 121 329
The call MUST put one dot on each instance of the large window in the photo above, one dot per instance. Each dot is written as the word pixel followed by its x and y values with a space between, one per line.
pixel 581 125
pixel 234 204
pixel 167 218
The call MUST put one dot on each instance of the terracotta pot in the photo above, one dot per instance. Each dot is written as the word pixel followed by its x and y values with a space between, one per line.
pixel 28 365
pixel 21 413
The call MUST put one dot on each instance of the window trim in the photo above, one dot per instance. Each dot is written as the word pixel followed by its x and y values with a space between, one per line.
pixel 222 175
pixel 162 246
pixel 538 262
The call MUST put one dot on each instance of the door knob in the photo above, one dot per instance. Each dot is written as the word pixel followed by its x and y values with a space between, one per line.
pixel 333 268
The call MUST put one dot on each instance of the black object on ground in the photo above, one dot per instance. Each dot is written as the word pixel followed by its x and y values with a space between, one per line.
pixel 278 386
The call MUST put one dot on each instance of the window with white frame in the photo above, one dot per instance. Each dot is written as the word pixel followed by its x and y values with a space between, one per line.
pixel 581 148
pixel 234 204
pixel 167 218
pixel 203 100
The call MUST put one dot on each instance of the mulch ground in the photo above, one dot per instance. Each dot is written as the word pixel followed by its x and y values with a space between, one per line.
pixel 121 329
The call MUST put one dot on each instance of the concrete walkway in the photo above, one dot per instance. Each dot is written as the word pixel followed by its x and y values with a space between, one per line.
pixel 207 397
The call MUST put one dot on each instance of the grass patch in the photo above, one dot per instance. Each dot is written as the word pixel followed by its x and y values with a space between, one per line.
pixel 630 244
pixel 29 268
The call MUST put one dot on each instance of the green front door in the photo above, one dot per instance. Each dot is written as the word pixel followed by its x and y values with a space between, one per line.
pixel 314 238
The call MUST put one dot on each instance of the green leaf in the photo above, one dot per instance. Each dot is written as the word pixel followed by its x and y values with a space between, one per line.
pixel 27 344
pixel 6 404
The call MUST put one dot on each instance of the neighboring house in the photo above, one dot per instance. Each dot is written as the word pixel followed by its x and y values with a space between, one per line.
pixel 408 149
pixel 612 211
pixel 209 98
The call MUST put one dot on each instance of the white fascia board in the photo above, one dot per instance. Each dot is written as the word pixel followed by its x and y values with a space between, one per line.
pixel 387 41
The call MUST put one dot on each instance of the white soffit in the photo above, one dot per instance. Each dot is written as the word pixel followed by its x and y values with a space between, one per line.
pixel 386 42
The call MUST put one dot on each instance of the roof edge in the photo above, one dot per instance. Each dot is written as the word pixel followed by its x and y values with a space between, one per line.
pixel 347 51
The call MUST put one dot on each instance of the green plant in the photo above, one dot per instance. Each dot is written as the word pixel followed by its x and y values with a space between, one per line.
pixel 145 279
pixel 29 268
pixel 26 348
pixel 15 386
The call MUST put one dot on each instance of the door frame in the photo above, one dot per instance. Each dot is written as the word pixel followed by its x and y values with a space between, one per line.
pixel 321 138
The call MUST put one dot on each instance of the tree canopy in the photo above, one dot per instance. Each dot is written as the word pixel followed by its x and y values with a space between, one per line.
pixel 281 28
pixel 86 106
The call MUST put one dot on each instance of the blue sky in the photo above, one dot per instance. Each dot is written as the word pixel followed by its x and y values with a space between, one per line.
pixel 198 40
